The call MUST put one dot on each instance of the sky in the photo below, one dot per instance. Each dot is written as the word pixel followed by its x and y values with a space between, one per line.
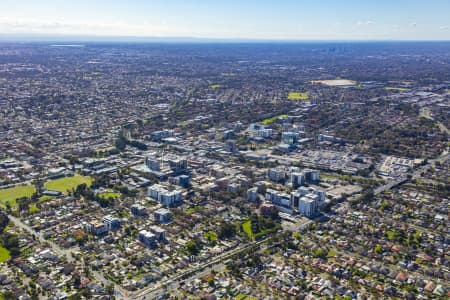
pixel 230 19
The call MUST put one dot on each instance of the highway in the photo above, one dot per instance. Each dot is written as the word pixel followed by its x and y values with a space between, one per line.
pixel 414 173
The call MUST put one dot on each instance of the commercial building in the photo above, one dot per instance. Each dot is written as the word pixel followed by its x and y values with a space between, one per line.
pixel 177 164
pixel 328 138
pixel 184 180
pixel 163 165
pixel 153 163
pixel 162 134
pixel 311 176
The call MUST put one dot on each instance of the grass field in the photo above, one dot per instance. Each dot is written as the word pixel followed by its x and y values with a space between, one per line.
pixel 271 120
pixel 298 96
pixel 14 193
pixel 108 195
pixel 247 227
pixel 215 86
pixel 100 150
pixel 245 297
pixel 43 199
pixel 4 254
pixel 67 183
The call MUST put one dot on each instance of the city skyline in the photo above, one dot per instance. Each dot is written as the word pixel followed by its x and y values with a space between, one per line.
pixel 261 20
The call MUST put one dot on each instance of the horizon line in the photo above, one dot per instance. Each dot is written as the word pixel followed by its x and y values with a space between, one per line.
pixel 36 38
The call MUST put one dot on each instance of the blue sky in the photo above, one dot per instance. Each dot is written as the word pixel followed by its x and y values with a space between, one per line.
pixel 232 19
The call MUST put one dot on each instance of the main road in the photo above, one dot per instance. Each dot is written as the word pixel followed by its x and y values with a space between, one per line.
pixel 58 250
pixel 414 173
pixel 153 292
pixel 198 271
pixel 67 253
pixel 158 290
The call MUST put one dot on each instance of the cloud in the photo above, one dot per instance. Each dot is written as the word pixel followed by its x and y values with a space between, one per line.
pixel 444 28
pixel 9 26
pixel 365 23
pixel 413 24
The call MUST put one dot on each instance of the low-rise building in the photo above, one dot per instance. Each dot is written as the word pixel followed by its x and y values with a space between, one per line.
pixel 96 227
pixel 276 175
pixel 252 194
pixel 160 233
pixel 147 238
pixel 163 215
pixel 112 223
pixel 258 130
pixel 289 138
pixel 138 210
pixel 278 198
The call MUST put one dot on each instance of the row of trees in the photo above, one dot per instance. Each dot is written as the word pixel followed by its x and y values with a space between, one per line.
pixel 7 240
pixel 122 142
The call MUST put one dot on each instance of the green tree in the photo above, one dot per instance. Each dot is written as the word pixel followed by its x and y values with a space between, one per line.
pixel 227 230
pixel 192 247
